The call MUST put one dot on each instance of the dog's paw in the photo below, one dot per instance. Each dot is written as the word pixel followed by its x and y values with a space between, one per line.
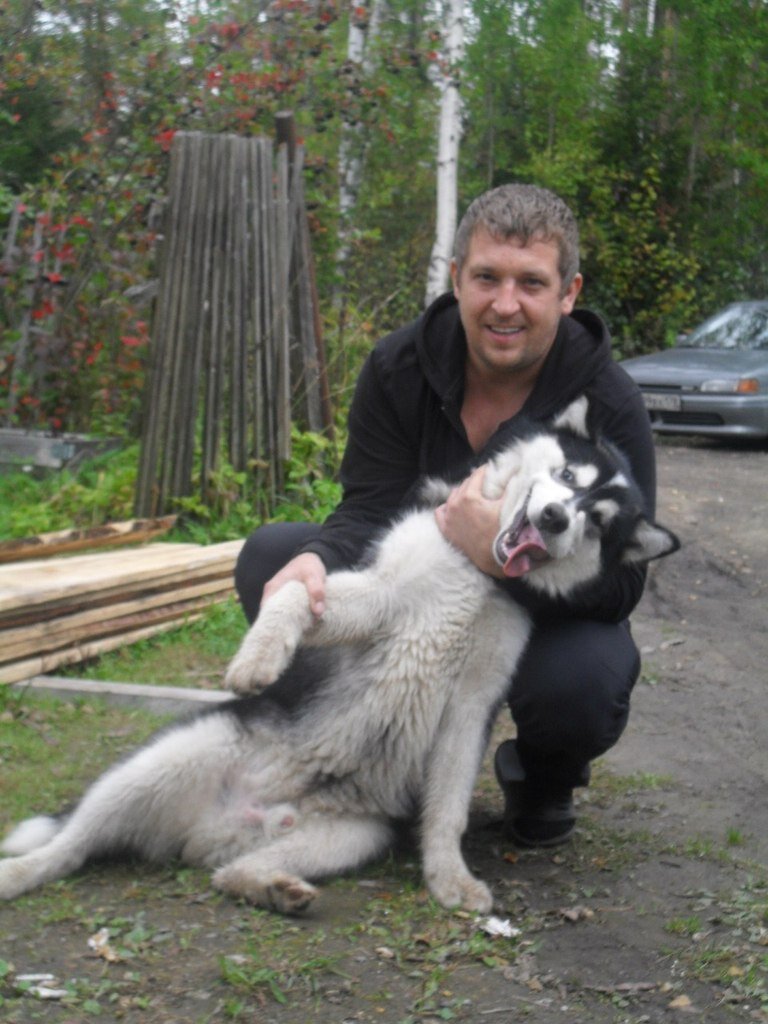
pixel 460 889
pixel 241 676
pixel 290 895
pixel 259 662
pixel 275 890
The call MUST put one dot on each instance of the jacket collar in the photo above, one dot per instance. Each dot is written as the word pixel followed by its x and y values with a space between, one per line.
pixel 581 348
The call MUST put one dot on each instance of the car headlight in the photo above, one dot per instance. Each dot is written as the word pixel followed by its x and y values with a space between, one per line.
pixel 745 386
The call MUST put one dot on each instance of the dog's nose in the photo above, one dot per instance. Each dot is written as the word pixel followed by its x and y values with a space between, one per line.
pixel 554 518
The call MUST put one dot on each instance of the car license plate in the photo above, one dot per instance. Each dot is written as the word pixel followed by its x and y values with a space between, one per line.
pixel 662 403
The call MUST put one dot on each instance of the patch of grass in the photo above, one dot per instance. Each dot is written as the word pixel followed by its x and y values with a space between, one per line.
pixel 700 848
pixel 687 926
pixel 609 784
pixel 734 837
pixel 49 749
pixel 734 955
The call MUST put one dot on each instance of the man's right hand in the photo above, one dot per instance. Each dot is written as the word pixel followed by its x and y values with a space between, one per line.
pixel 308 569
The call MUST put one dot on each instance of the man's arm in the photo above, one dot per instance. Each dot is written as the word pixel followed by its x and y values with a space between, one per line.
pixel 379 467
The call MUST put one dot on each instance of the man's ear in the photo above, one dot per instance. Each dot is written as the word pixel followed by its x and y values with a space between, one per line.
pixel 499 471
pixel 454 272
pixel 568 301
pixel 649 541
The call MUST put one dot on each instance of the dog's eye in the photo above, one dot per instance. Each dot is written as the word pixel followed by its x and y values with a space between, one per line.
pixel 566 475
pixel 596 518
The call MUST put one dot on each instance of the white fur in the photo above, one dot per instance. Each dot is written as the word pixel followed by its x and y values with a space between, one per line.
pixel 423 646
pixel 30 834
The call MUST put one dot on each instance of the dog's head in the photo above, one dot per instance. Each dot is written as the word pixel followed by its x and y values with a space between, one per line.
pixel 570 508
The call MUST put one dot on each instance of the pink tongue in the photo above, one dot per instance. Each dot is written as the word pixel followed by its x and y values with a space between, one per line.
pixel 531 547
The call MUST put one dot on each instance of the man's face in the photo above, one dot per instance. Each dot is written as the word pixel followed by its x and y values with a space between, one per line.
pixel 510 302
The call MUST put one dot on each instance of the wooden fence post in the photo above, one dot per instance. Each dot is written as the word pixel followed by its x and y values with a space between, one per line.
pixel 235 353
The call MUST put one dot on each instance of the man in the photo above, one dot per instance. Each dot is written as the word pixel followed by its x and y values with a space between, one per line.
pixel 436 397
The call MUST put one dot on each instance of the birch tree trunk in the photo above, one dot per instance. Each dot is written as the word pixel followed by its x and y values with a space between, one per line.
pixel 449 138
pixel 363 26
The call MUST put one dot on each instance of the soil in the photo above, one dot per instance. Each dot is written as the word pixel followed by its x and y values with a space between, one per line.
pixel 657 911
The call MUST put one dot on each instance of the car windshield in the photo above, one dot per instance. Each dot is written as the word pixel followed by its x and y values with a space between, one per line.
pixel 744 327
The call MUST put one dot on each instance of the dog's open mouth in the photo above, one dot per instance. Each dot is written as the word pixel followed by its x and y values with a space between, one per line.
pixel 520 548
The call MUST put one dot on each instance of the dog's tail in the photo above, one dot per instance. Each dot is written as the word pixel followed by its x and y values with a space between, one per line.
pixel 42 850
pixel 31 835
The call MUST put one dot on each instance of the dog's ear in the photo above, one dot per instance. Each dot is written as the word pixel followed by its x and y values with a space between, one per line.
pixel 574 417
pixel 499 471
pixel 649 541
pixel 432 492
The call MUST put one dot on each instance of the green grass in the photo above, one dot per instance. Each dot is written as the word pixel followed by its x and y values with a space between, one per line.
pixel 50 748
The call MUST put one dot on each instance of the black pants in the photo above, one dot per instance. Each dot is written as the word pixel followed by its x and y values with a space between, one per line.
pixel 569 697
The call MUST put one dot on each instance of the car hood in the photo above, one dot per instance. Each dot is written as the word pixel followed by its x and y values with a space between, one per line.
pixel 683 367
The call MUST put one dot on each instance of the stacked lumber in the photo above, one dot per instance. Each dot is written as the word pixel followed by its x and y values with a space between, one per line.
pixel 60 611
pixel 135 531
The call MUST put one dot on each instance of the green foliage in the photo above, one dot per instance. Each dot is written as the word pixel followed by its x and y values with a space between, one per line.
pixel 30 135
pixel 100 491
pixel 654 131
pixel 312 490
pixel 647 308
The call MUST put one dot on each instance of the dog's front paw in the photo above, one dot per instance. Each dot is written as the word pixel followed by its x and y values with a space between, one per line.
pixel 262 658
pixel 241 676
pixel 460 889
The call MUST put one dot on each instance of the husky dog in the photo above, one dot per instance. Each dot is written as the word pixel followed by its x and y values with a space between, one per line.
pixel 377 712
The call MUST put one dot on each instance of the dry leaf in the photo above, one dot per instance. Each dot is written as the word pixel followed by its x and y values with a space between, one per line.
pixel 575 914
pixel 99 943
pixel 680 1003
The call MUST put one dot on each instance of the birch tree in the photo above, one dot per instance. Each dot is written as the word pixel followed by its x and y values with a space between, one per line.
pixel 363 27
pixel 449 138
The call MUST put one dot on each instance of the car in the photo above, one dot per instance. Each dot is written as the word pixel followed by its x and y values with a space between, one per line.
pixel 714 381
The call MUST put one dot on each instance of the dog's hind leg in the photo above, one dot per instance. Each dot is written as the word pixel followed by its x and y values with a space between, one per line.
pixel 275 876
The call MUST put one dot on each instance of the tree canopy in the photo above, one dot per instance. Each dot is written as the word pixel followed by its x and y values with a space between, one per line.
pixel 647 116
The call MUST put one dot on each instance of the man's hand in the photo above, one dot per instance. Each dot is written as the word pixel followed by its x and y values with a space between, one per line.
pixel 470 521
pixel 307 569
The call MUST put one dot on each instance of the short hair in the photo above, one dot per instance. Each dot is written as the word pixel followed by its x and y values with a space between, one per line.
pixel 528 213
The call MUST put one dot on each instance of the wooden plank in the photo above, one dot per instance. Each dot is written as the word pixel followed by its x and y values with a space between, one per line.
pixel 105 599
pixel 147 500
pixel 69 628
pixel 44 582
pixel 134 531
pixel 15 672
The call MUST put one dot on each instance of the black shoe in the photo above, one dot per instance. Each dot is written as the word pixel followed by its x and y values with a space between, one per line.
pixel 534 814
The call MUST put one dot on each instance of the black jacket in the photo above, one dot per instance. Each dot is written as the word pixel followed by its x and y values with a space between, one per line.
pixel 405 422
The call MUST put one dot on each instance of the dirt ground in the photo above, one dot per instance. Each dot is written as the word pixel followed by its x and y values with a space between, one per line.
pixel 657 911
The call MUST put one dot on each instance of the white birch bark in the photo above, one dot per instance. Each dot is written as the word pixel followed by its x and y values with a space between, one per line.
pixel 449 138
pixel 363 26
